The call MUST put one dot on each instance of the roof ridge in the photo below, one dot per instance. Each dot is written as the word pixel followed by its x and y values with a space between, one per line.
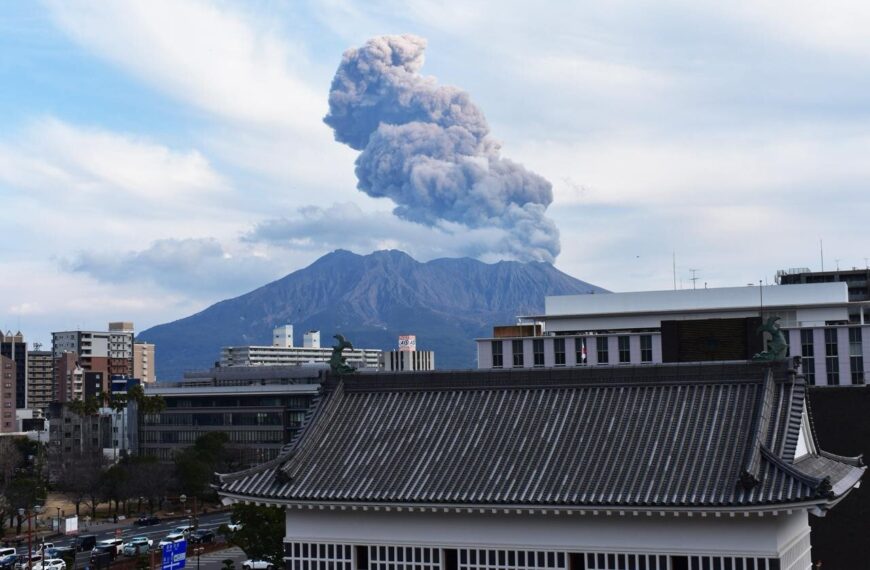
pixel 820 485
pixel 749 476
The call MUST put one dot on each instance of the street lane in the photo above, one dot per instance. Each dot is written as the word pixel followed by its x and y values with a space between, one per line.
pixel 210 521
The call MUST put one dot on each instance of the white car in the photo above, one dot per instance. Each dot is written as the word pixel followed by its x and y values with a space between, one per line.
pixel 116 542
pixel 137 545
pixel 170 538
pixel 257 565
pixel 183 529
pixel 233 527
pixel 51 564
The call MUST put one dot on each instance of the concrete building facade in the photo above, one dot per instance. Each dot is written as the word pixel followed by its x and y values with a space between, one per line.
pixel 8 387
pixel 408 360
pixel 821 325
pixel 40 380
pixel 14 347
pixel 107 352
pixel 143 362
pixel 259 408
pixel 283 353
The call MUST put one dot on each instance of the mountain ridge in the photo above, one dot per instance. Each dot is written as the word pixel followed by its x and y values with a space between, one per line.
pixel 371 299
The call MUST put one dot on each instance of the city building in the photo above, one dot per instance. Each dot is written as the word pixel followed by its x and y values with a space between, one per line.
pixel 283 353
pixel 407 358
pixel 819 321
pixel 40 379
pixel 8 387
pixel 70 432
pixel 143 362
pixel 259 408
pixel 857 280
pixel 69 381
pixel 667 467
pixel 109 352
pixel 13 346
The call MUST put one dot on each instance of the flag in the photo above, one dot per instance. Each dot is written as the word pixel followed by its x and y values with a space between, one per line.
pixel 584 350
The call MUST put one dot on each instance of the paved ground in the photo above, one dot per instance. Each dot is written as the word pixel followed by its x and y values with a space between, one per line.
pixel 214 560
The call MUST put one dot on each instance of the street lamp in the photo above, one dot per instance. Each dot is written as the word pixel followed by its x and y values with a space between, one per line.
pixel 58 519
pixel 198 550
pixel 21 512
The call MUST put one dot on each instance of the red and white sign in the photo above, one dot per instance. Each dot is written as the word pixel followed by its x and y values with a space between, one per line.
pixel 407 343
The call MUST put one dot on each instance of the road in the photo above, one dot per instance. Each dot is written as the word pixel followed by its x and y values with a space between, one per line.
pixel 209 521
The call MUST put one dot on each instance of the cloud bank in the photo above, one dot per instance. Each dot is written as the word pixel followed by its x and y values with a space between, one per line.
pixel 427 148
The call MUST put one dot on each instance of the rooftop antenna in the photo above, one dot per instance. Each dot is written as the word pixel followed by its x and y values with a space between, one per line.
pixel 675 268
pixel 866 265
pixel 822 253
pixel 694 278
pixel 837 261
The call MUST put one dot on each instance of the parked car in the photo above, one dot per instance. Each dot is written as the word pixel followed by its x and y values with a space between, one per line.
pixel 170 538
pixel 149 520
pixel 51 564
pixel 7 552
pixel 8 561
pixel 257 565
pixel 101 550
pixel 137 545
pixel 85 542
pixel 43 545
pixel 233 527
pixel 201 536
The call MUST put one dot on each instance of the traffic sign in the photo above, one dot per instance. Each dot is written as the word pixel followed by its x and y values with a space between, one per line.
pixel 174 555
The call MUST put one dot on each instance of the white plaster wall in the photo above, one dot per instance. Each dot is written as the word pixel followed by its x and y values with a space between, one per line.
pixel 484 354
pixel 865 341
pixel 571 344
pixel 843 356
pixel 634 346
pixel 549 353
pixel 753 535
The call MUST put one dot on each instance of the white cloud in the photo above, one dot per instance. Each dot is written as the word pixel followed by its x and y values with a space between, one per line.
pixel 193 267
pixel 65 162
pixel 215 58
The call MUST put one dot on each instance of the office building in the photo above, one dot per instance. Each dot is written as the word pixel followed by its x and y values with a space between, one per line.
pixel 8 387
pixel 13 346
pixel 857 280
pixel 668 467
pixel 820 324
pixel 40 380
pixel 407 358
pixel 143 362
pixel 107 352
pixel 283 353
pixel 259 408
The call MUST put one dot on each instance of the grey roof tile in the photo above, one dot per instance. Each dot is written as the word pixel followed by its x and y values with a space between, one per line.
pixel 659 436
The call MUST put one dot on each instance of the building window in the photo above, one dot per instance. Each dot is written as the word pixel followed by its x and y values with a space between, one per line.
pixel 580 348
pixel 624 349
pixel 538 351
pixel 559 351
pixel 497 355
pixel 856 355
pixel 646 348
pixel 807 355
pixel 832 358
pixel 517 349
pixel 601 346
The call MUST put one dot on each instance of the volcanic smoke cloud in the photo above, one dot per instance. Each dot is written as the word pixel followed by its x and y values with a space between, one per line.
pixel 426 147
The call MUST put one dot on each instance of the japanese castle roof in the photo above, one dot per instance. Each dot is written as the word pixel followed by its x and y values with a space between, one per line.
pixel 699 436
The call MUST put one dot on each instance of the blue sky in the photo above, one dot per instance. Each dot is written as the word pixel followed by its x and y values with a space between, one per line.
pixel 156 157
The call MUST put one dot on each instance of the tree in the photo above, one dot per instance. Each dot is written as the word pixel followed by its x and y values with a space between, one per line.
pixel 262 532
pixel 149 479
pixel 10 459
pixel 22 494
pixel 196 465
pixel 79 475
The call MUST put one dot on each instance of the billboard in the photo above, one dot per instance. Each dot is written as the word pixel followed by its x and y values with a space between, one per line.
pixel 407 343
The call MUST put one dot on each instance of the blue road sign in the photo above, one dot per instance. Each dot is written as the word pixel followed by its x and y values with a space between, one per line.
pixel 174 555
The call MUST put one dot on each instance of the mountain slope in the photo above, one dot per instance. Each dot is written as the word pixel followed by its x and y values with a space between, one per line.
pixel 371 299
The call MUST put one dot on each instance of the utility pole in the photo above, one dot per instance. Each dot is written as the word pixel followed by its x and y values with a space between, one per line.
pixel 694 278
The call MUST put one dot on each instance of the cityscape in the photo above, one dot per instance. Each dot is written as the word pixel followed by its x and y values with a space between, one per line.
pixel 376 286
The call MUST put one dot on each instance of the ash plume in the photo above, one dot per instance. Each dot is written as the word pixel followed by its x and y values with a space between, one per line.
pixel 427 147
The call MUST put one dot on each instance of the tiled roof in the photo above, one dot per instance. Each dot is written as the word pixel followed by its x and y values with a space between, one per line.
pixel 660 436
